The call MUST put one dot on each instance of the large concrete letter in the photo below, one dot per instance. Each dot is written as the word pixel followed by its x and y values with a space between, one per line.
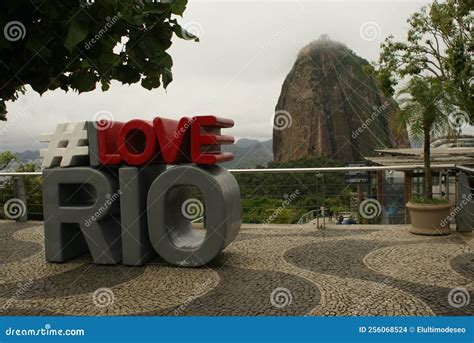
pixel 206 140
pixel 67 146
pixel 81 211
pixel 137 142
pixel 134 184
pixel 170 230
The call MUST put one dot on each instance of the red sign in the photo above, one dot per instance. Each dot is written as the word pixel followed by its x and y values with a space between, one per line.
pixel 140 142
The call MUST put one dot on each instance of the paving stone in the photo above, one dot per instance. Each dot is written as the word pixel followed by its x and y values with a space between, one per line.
pixel 276 270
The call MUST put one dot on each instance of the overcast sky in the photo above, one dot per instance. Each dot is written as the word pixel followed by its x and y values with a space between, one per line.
pixel 235 71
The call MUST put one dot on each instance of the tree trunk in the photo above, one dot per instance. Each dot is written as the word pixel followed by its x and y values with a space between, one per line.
pixel 427 161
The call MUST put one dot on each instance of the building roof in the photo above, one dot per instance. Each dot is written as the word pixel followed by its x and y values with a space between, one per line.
pixel 442 155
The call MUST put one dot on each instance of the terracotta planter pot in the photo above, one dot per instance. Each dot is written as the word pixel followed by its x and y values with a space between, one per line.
pixel 429 219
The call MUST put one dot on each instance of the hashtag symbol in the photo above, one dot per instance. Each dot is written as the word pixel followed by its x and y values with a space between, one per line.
pixel 68 146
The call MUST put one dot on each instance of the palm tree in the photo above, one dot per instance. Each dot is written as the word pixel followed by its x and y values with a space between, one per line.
pixel 425 113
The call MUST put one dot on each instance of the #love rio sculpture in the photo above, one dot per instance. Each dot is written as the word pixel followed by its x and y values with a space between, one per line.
pixel 120 190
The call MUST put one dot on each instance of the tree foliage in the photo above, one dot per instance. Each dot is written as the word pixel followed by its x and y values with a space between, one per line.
pixel 33 185
pixel 263 195
pixel 6 157
pixel 423 107
pixel 423 110
pixel 74 44
pixel 439 45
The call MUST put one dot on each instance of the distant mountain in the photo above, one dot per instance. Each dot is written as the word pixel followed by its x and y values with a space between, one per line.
pixel 249 153
pixel 331 105
pixel 28 155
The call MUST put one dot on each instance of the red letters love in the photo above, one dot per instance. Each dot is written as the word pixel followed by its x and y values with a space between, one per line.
pixel 140 142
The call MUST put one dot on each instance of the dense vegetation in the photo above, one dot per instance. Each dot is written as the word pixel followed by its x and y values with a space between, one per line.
pixel 286 197
pixel 33 186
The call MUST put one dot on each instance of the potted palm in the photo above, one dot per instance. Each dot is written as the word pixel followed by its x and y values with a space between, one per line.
pixel 424 113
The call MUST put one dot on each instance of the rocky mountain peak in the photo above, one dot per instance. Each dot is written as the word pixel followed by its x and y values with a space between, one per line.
pixel 332 106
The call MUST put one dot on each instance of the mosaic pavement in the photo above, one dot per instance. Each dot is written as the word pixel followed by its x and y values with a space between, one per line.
pixel 279 270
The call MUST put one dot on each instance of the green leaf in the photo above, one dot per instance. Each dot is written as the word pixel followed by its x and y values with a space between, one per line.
pixel 78 31
pixel 167 77
pixel 182 33
pixel 166 61
pixel 178 7
pixel 105 85
pixel 37 46
pixel 138 20
pixel 151 82
pixel 40 84
pixel 156 11
pixel 126 74
pixel 3 110
pixel 84 82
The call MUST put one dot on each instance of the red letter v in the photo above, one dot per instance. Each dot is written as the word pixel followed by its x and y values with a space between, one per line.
pixel 173 139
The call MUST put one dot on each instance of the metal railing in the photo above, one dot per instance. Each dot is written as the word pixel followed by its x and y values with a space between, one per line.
pixel 402 167
pixel 267 193
pixel 317 217
pixel 345 169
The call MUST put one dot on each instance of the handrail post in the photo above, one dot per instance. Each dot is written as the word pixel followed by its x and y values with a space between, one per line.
pixel 19 192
